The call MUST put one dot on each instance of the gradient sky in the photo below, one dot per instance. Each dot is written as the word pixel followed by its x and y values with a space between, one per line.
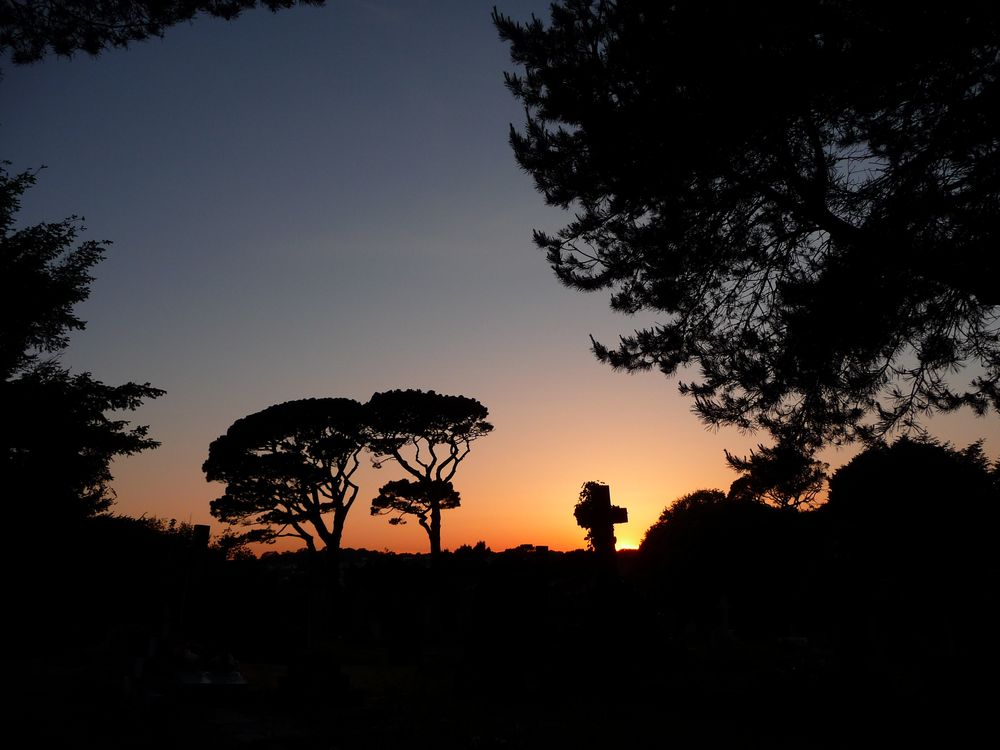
pixel 322 202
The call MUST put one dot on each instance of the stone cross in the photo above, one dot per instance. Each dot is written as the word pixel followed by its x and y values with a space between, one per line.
pixel 599 516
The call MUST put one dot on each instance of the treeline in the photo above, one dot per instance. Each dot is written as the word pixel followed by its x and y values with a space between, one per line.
pixel 900 553
pixel 876 606
pixel 904 541
pixel 899 559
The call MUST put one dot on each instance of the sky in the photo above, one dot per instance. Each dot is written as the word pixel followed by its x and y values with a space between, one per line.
pixel 322 202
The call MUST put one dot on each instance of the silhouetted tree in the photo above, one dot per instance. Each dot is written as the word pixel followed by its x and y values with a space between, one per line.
pixel 480 549
pixel 914 474
pixel 913 526
pixel 806 192
pixel 729 562
pixel 233 546
pixel 30 30
pixel 781 475
pixel 57 433
pixel 287 468
pixel 899 502
pixel 423 499
pixel 659 533
pixel 428 434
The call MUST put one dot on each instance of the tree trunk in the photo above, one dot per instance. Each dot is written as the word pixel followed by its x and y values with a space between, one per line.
pixel 434 532
pixel 327 580
pixel 333 548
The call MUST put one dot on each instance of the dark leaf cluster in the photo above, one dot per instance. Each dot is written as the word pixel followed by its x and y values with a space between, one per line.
pixel 806 194
pixel 781 475
pixel 900 556
pixel 31 30
pixel 419 419
pixel 915 478
pixel 60 430
pixel 405 497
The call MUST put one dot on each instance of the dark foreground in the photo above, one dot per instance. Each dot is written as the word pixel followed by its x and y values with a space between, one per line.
pixel 161 645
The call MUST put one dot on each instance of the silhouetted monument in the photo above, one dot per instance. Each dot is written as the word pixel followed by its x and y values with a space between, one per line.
pixel 595 513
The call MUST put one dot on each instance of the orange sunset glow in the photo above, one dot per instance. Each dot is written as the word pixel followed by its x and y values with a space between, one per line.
pixel 520 483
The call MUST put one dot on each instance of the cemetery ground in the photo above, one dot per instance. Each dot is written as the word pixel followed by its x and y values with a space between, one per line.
pixel 172 647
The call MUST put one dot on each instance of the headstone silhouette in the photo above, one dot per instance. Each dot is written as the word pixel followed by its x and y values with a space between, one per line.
pixel 595 513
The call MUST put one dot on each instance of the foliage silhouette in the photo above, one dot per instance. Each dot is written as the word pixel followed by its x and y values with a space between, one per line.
pixel 423 499
pixel 288 467
pixel 806 193
pixel 479 550
pixel 57 435
pixel 723 564
pixel 781 475
pixel 912 526
pixel 31 30
pixel 661 533
pixel 891 502
pixel 233 545
pixel 428 434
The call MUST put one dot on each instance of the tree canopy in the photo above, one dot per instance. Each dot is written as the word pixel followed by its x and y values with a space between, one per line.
pixel 911 481
pixel 779 475
pixel 675 524
pixel 804 193
pixel 428 435
pixel 912 525
pixel 31 30
pixel 58 434
pixel 287 468
pixel 423 500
